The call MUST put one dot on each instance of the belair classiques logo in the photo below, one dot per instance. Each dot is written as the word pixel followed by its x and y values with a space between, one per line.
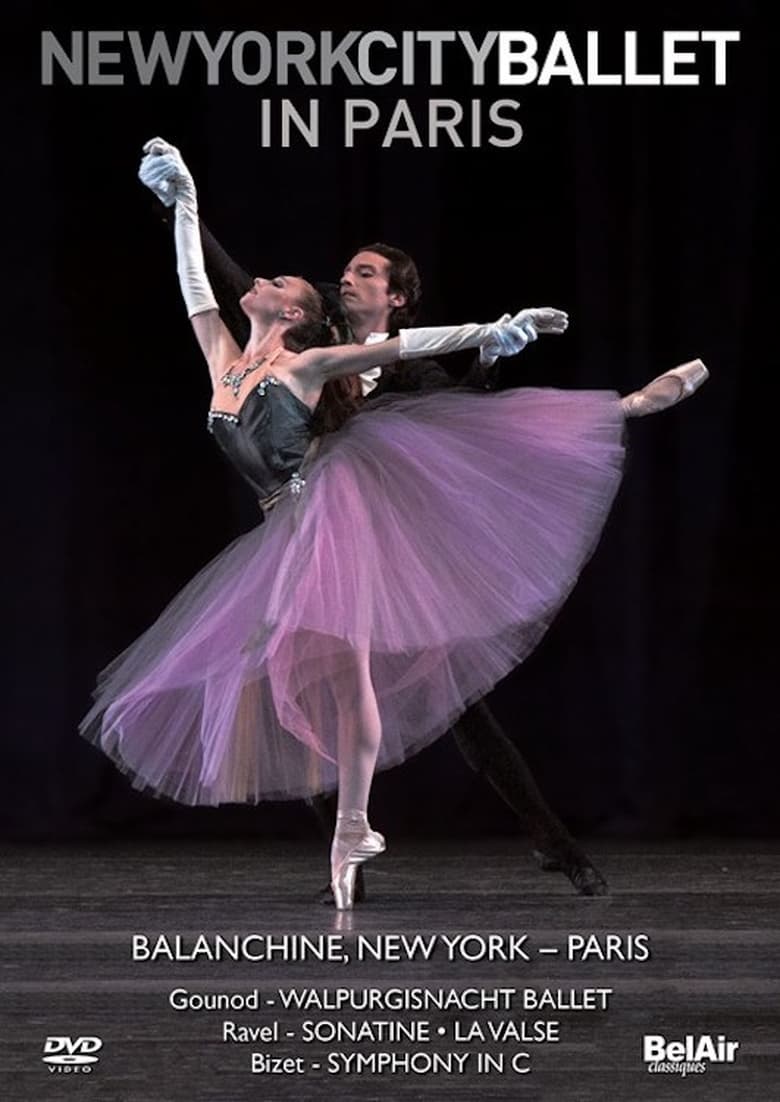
pixel 66 1054
pixel 689 1056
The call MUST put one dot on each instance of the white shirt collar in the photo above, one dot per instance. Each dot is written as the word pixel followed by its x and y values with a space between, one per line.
pixel 369 379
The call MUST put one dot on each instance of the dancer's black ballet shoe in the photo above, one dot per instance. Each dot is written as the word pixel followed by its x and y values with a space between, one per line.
pixel 345 872
pixel 325 896
pixel 585 877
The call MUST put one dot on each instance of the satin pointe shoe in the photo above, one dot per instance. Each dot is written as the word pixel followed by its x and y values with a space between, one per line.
pixel 357 843
pixel 688 377
pixel 325 895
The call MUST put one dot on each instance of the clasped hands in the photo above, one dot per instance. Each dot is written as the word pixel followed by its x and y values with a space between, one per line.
pixel 164 172
pixel 509 335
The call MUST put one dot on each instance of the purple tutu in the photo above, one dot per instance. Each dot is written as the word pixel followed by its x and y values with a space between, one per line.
pixel 438 534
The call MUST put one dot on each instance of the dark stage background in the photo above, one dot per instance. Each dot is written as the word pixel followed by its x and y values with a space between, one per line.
pixel 651 706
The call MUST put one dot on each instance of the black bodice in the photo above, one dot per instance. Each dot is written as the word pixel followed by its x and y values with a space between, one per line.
pixel 268 437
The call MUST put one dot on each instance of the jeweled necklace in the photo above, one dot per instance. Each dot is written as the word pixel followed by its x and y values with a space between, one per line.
pixel 235 380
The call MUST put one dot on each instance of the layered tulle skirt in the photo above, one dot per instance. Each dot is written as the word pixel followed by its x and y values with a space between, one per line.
pixel 434 539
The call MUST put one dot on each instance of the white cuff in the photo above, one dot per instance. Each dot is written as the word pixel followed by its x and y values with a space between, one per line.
pixel 369 380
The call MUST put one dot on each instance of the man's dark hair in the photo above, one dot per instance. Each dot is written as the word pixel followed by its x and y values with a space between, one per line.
pixel 403 278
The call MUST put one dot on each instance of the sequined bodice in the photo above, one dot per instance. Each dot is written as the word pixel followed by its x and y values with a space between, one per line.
pixel 268 437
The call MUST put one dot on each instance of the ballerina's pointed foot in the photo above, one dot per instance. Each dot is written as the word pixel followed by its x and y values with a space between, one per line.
pixel 325 895
pixel 666 390
pixel 369 843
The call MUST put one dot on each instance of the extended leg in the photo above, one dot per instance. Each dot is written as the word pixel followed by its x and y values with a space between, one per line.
pixel 489 752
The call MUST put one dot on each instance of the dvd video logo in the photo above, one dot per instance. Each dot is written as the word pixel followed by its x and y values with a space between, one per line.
pixel 63 1054
pixel 690 1056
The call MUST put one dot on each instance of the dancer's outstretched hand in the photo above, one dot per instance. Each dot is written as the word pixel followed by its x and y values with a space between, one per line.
pixel 510 335
pixel 164 172
pixel 545 319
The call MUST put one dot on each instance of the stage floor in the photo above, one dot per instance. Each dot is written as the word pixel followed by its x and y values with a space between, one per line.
pixel 512 990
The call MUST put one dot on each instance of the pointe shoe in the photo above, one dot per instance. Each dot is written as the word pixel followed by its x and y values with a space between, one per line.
pixel 688 376
pixel 345 874
pixel 325 895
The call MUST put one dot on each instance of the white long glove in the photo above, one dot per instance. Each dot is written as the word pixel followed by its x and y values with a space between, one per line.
pixel 508 338
pixel 504 337
pixel 164 172
pixel 161 168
